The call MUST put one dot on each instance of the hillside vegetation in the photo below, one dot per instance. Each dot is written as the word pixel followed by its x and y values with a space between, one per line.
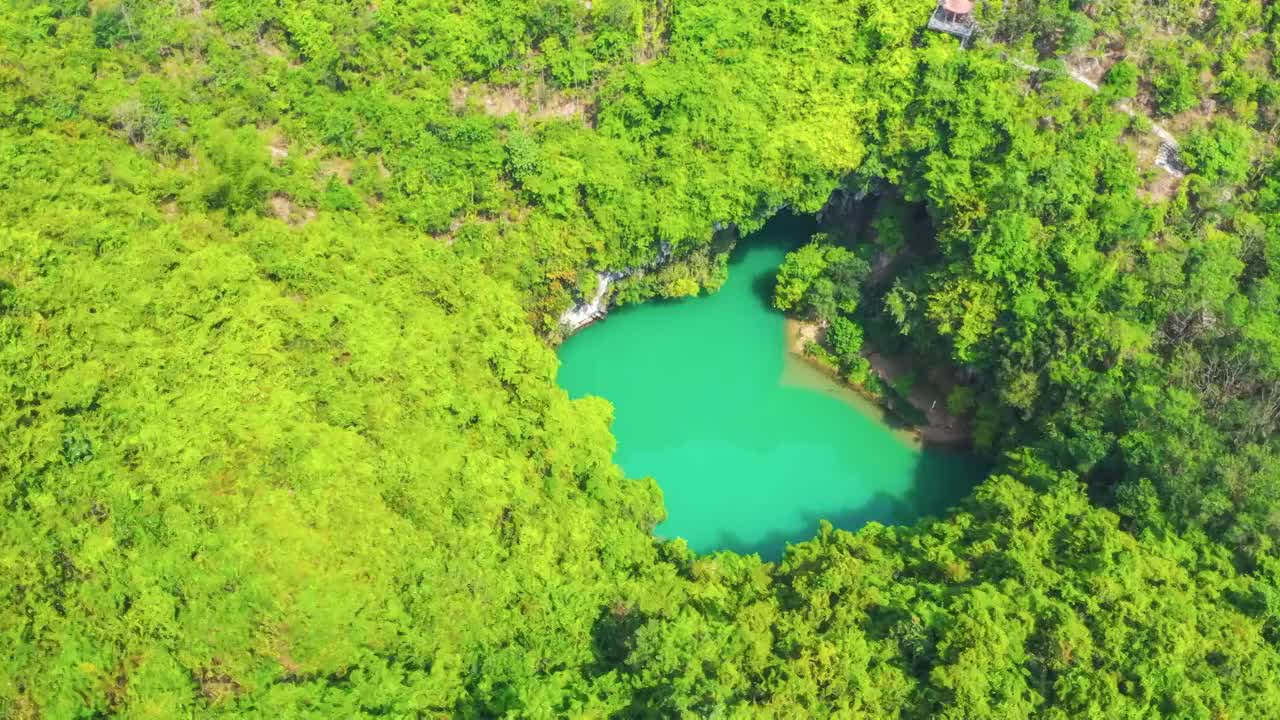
pixel 279 287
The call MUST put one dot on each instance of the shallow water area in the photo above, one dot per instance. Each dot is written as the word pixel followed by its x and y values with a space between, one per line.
pixel 751 445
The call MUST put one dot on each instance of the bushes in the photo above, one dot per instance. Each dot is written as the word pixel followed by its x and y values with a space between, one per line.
pixel 1121 81
pixel 112 26
pixel 845 339
pixel 1219 153
pixel 1176 85
pixel 240 176
pixel 820 279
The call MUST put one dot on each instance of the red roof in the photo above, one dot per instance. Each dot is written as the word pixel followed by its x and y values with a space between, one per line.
pixel 959 7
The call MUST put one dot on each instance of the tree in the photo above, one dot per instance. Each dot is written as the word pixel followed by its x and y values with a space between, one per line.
pixel 1175 83
pixel 820 279
pixel 1220 153
pixel 845 339
pixel 1121 80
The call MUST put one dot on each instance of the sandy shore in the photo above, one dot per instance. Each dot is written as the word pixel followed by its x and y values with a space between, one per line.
pixel 800 334
pixel 928 395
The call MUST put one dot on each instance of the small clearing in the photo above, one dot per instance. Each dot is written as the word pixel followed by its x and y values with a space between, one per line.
pixel 539 104
pixel 284 208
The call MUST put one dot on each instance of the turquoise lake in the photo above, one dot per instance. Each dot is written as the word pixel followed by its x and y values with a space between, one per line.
pixel 751 445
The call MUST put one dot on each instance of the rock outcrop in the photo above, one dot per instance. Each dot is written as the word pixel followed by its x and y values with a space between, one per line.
pixel 585 313
pixel 588 311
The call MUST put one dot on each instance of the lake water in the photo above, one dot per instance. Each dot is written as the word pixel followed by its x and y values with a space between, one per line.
pixel 751 445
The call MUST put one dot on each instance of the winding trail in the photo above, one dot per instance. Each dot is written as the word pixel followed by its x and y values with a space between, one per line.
pixel 1167 154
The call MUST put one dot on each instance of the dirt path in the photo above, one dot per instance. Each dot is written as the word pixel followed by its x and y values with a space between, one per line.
pixel 1166 157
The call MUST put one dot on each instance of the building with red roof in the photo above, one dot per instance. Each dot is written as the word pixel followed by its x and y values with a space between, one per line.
pixel 954 17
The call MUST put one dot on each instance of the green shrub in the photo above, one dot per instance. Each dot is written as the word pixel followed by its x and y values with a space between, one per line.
pixel 1176 86
pixel 845 338
pixel 820 279
pixel 1220 152
pixel 961 400
pixel 1121 81
pixel 1077 31
pixel 110 28
pixel 859 372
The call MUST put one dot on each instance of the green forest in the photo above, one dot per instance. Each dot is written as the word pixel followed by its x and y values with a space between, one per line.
pixel 280 288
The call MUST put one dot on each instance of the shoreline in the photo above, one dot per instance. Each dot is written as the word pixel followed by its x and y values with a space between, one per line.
pixel 943 429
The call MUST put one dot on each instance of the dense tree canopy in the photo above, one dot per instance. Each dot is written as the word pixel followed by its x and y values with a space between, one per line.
pixel 279 286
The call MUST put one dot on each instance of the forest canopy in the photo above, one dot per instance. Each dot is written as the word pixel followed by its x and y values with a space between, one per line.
pixel 279 294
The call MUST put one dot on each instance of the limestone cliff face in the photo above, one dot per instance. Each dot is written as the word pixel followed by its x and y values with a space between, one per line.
pixel 585 313
pixel 589 310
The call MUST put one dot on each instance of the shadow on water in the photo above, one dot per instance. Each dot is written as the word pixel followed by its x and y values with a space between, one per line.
pixel 762 288
pixel 942 479
pixel 785 232
pixel 770 547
